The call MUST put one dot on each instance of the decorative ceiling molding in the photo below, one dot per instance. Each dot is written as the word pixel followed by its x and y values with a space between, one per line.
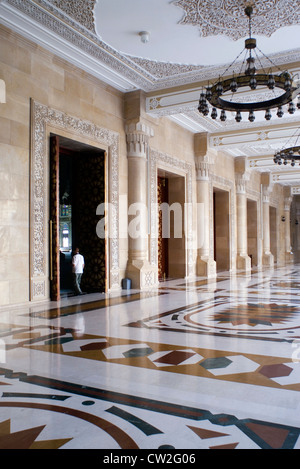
pixel 164 69
pixel 228 16
pixel 81 11
pixel 272 135
pixel 42 22
pixel 75 35
pixel 183 104
pixel 285 177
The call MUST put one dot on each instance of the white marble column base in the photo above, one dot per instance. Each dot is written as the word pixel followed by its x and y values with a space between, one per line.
pixel 289 257
pixel 206 267
pixel 142 274
pixel 268 259
pixel 243 262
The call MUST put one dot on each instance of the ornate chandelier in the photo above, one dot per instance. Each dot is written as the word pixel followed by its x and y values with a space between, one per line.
pixel 290 154
pixel 220 94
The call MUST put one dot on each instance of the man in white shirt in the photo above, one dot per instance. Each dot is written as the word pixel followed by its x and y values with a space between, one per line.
pixel 77 269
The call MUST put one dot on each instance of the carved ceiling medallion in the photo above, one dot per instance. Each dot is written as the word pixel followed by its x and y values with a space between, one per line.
pixel 227 17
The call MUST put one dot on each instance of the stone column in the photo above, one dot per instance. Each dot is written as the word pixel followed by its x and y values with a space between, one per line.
pixel 206 265
pixel 139 270
pixel 243 261
pixel 267 256
pixel 287 224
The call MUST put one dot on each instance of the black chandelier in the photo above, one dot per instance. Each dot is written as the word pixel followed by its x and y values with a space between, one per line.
pixel 283 81
pixel 290 154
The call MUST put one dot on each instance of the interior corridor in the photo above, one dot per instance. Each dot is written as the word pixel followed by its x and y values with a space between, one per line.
pixel 189 365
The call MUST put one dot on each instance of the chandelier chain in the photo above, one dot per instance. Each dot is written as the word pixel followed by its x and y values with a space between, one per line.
pixel 218 96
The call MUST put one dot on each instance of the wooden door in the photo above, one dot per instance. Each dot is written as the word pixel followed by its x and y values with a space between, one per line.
pixel 163 245
pixel 54 219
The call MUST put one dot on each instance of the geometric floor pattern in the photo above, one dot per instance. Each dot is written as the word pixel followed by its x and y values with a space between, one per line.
pixel 247 368
pixel 255 319
pixel 113 422
pixel 190 365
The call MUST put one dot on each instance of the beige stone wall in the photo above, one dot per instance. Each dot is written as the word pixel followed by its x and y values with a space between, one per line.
pixel 33 73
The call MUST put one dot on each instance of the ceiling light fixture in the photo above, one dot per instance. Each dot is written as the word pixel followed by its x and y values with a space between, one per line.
pixel 290 154
pixel 220 94
pixel 144 35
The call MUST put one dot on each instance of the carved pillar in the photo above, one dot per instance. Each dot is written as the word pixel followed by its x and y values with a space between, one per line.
pixel 243 261
pixel 139 270
pixel 267 256
pixel 287 224
pixel 206 265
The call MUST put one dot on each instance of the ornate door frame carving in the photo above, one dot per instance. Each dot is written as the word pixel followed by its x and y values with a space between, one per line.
pixel 182 168
pixel 44 118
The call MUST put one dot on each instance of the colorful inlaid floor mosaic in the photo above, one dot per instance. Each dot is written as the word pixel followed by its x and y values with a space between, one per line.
pixel 189 365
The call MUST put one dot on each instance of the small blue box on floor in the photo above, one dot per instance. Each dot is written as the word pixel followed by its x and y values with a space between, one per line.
pixel 126 283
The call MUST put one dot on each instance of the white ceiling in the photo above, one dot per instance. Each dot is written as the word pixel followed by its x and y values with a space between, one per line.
pixel 190 42
pixel 118 23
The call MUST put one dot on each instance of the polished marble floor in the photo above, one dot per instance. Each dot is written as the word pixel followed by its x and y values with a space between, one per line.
pixel 190 365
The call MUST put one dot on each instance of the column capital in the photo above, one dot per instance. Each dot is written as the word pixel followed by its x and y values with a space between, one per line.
pixel 265 192
pixel 241 183
pixel 266 187
pixel 202 170
pixel 204 157
pixel 203 165
pixel 241 167
pixel 287 203
pixel 137 137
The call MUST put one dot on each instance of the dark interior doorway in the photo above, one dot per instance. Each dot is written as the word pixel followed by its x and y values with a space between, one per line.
pixel 171 236
pixel 163 242
pixel 79 188
pixel 221 229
